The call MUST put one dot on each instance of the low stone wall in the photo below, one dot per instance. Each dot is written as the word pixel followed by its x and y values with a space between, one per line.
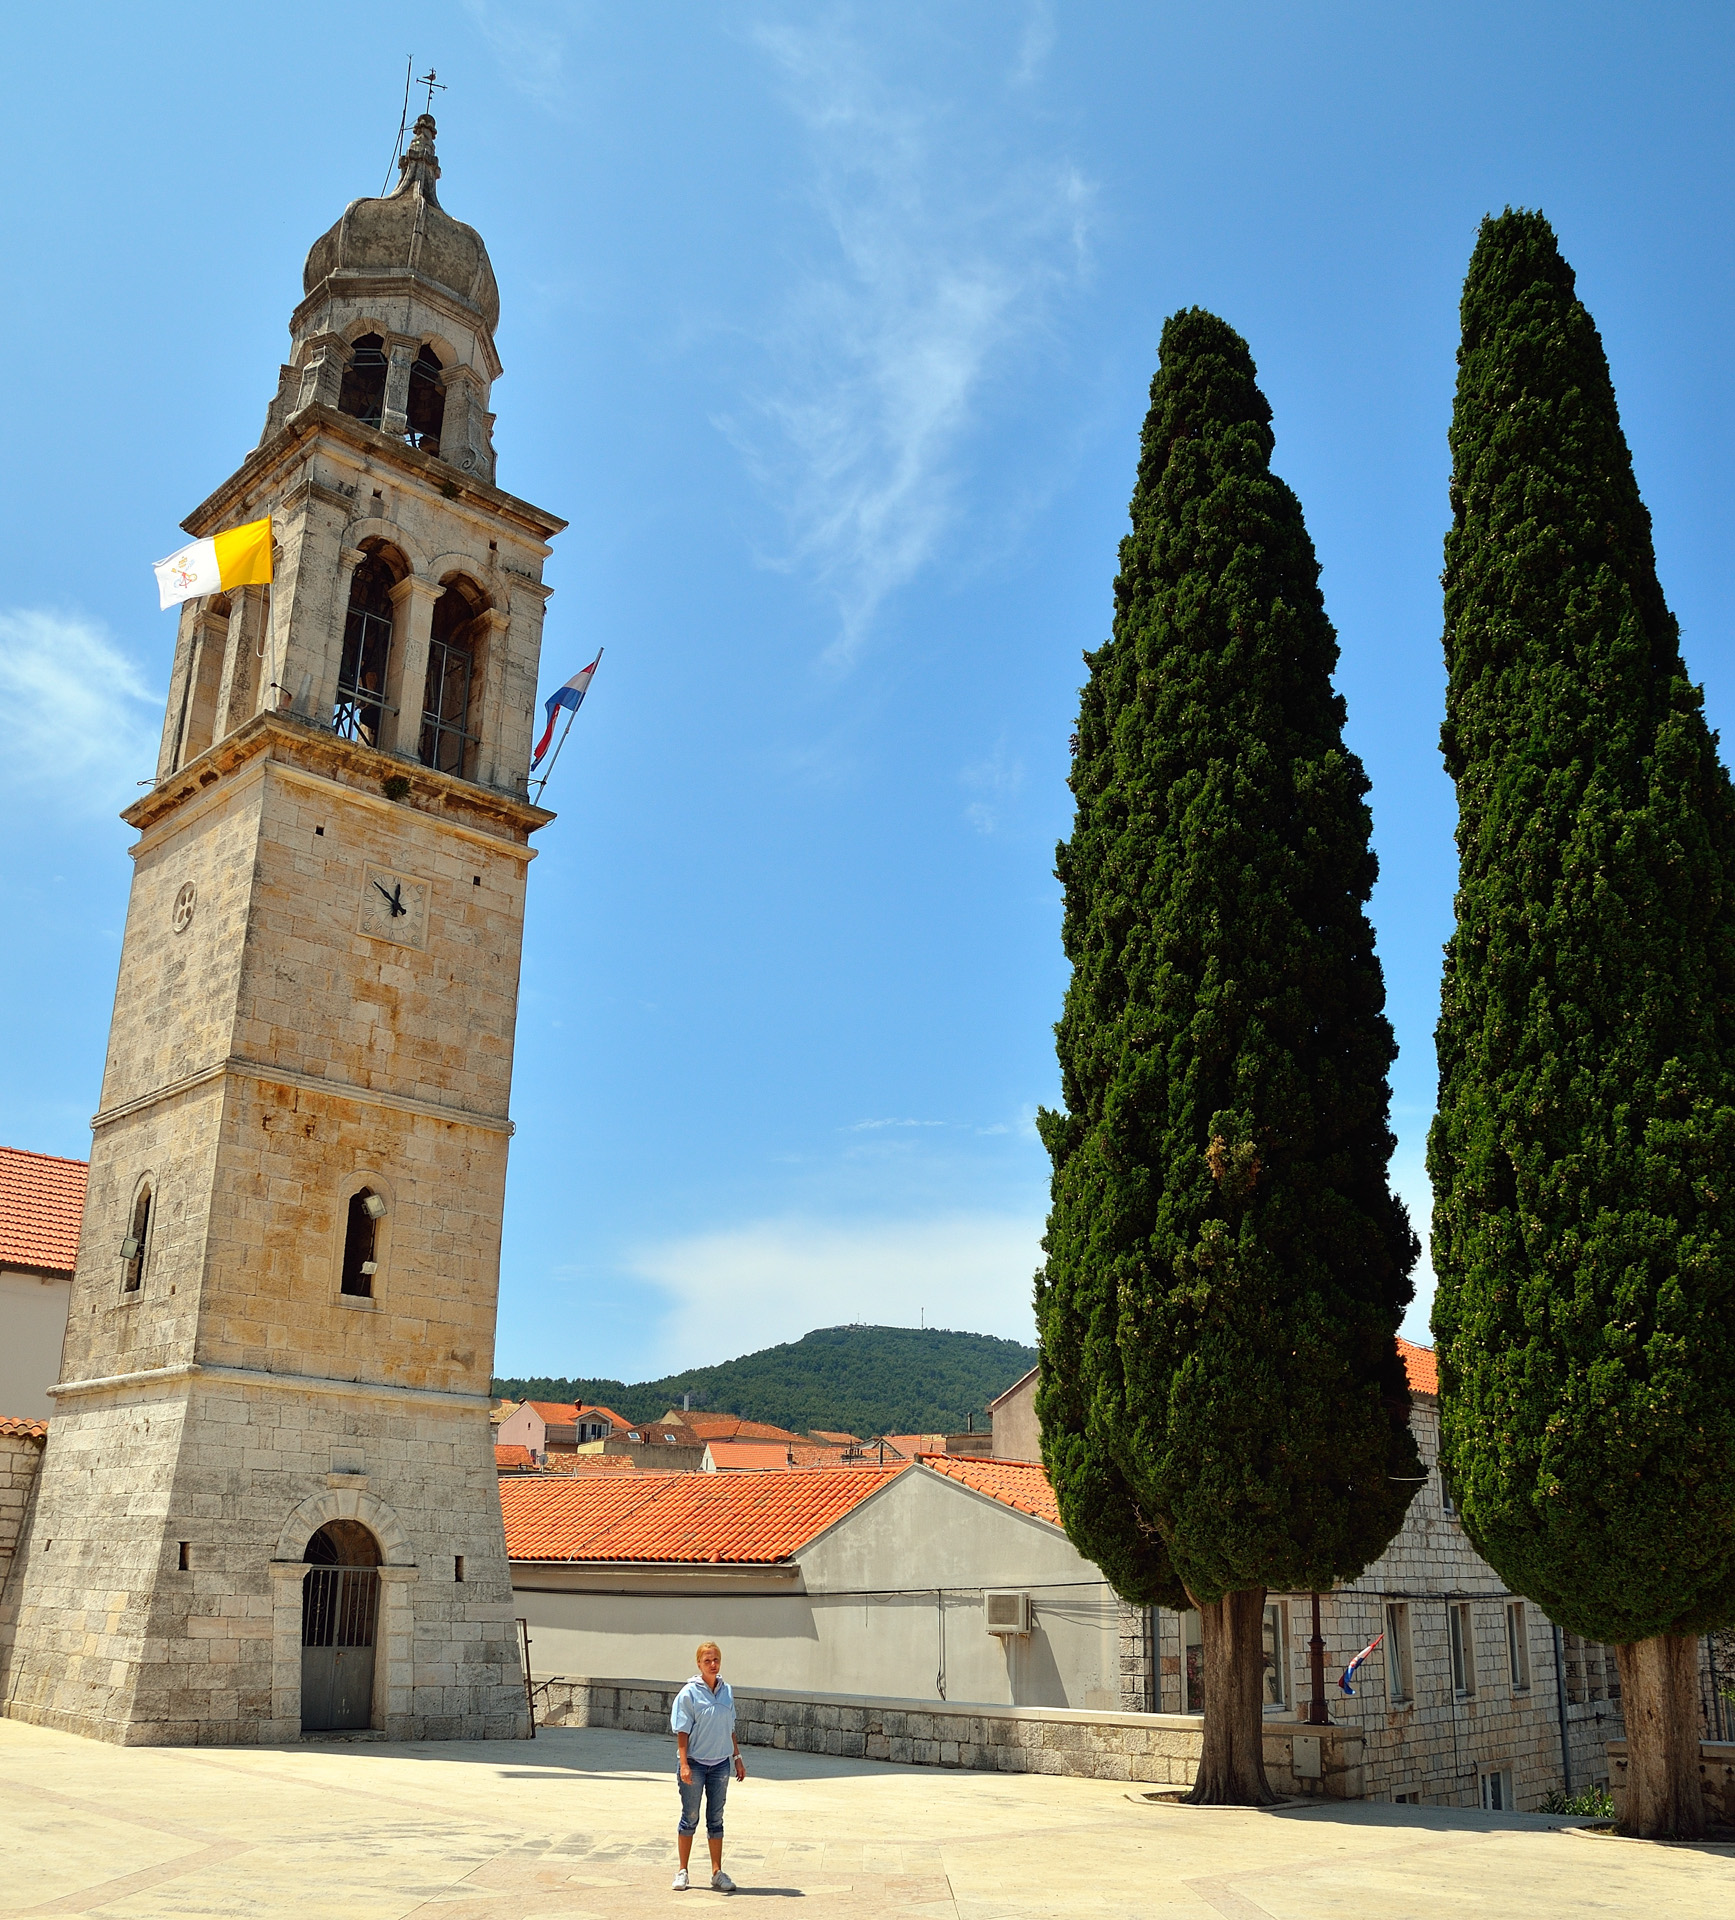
pixel 20 1456
pixel 1716 1770
pixel 1157 1749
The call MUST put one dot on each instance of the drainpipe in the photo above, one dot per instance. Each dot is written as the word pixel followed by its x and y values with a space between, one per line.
pixel 1560 1709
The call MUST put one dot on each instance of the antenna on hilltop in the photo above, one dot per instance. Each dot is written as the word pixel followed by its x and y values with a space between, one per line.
pixel 403 122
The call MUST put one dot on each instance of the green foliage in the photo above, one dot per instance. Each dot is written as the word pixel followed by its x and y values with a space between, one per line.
pixel 1595 1803
pixel 1583 1156
pixel 861 1380
pixel 1221 1398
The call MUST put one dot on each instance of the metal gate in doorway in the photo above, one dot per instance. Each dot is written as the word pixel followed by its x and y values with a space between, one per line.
pixel 339 1609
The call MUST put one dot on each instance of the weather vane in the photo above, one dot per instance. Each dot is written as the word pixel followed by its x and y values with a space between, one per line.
pixel 433 86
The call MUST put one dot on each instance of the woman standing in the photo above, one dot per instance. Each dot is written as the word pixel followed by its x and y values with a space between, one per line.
pixel 703 1719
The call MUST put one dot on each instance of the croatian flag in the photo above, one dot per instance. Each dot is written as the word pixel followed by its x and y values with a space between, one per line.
pixel 1356 1662
pixel 571 695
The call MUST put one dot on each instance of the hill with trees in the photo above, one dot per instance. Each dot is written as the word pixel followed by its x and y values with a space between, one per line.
pixel 862 1380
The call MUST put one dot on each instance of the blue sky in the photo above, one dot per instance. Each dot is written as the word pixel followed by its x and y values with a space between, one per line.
pixel 829 328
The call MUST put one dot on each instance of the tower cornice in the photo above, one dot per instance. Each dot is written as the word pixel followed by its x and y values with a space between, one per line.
pixel 255 481
pixel 302 745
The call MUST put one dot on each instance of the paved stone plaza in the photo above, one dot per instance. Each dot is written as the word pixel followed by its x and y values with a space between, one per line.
pixel 579 1826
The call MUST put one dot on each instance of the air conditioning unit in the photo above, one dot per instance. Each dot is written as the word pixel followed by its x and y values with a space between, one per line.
pixel 1005 1610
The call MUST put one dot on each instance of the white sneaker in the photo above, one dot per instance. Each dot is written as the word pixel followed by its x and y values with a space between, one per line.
pixel 721 1883
pixel 680 1885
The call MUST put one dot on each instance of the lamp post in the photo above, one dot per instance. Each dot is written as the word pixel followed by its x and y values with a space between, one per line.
pixel 1318 1714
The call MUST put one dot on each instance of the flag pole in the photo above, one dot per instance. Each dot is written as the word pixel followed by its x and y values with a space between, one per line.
pixel 571 715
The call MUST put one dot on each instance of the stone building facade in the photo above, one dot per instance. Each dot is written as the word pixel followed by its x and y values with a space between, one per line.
pixel 277 1361
pixel 1472 1699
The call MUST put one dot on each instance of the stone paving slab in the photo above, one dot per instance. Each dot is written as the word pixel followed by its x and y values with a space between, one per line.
pixel 578 1825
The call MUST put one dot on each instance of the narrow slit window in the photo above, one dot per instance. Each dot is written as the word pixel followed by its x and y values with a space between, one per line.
pixel 360 1240
pixel 136 1245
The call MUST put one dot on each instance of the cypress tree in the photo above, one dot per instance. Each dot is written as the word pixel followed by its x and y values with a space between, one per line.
pixel 1223 1409
pixel 1583 1155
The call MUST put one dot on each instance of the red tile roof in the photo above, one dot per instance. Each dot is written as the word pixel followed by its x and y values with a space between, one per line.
pixel 590 1463
pixel 829 1439
pixel 729 1426
pixel 695 1519
pixel 41 1204
pixel 23 1429
pixel 763 1456
pixel 514 1459
pixel 553 1413
pixel 1014 1483
pixel 1422 1368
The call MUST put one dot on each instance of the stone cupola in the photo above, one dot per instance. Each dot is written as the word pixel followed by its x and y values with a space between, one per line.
pixel 397 324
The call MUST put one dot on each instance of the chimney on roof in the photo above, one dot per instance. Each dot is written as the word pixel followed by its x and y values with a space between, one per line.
pixel 686 1403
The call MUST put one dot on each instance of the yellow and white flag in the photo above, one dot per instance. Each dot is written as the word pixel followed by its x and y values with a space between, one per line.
pixel 239 558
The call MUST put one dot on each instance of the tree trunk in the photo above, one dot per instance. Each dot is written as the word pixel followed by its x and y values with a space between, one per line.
pixel 1660 1704
pixel 1232 1763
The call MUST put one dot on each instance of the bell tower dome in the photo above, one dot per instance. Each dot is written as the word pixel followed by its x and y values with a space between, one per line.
pixel 397 327
pixel 268 1504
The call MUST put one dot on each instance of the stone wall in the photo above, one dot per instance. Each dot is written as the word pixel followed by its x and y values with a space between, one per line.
pixel 20 1456
pixel 1157 1749
pixel 1716 1770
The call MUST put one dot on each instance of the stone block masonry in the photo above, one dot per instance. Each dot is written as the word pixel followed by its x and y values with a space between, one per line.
pixel 1155 1750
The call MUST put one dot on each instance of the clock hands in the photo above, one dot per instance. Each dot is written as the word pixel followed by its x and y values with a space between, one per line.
pixel 394 899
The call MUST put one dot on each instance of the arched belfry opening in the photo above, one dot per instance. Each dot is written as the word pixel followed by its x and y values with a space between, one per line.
pixel 363 393
pixel 340 1604
pixel 447 736
pixel 425 405
pixel 359 710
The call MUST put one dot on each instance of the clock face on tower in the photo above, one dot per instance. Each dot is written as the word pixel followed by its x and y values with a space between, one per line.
pixel 394 907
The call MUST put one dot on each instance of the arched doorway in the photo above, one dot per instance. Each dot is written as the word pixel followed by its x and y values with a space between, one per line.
pixel 340 1603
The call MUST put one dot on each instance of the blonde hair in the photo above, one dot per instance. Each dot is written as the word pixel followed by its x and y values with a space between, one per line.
pixel 708 1646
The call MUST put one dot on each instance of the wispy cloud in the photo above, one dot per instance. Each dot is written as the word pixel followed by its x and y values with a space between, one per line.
pixel 530 54
pixel 939 258
pixel 871 1126
pixel 81 722
pixel 752 1286
pixel 1035 43
pixel 995 781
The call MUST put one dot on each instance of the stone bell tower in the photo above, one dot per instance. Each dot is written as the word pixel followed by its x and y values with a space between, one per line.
pixel 268 1503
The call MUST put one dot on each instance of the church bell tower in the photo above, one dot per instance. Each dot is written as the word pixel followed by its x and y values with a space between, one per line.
pixel 268 1504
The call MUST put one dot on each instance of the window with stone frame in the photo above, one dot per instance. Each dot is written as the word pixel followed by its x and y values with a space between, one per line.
pixel 1400 1654
pixel 1461 1635
pixel 1517 1646
pixel 1275 1635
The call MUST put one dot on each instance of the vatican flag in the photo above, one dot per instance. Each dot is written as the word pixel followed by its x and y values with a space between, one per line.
pixel 239 558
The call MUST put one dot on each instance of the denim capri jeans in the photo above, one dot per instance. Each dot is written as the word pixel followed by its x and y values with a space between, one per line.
pixel 710 1778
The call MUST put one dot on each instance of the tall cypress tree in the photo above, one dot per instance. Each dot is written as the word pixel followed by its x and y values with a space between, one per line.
pixel 1584 1152
pixel 1223 1409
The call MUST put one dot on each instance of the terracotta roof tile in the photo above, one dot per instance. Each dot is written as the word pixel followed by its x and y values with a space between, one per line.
pixel 829 1439
pixel 729 1426
pixel 680 1518
pixel 1014 1483
pixel 23 1429
pixel 590 1463
pixel 513 1459
pixel 41 1204
pixel 763 1456
pixel 1422 1368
